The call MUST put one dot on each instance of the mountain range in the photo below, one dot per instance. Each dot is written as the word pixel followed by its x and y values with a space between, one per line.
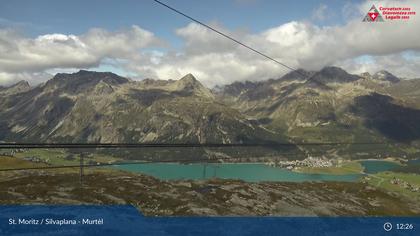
pixel 102 107
pixel 329 105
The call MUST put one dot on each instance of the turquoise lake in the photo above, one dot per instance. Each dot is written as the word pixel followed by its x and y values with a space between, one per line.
pixel 251 172
pixel 414 161
pixel 375 166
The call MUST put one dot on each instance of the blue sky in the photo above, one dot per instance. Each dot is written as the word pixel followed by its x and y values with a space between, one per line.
pixel 143 39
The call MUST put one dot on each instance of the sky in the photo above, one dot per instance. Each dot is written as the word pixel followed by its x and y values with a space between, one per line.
pixel 142 39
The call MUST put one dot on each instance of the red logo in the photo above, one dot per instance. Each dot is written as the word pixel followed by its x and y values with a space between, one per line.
pixel 373 15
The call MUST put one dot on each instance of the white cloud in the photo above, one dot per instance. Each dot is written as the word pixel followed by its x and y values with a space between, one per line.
pixel 320 13
pixel 399 64
pixel 297 44
pixel 20 55
pixel 7 79
pixel 216 60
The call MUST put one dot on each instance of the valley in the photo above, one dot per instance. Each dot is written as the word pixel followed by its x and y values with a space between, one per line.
pixel 328 143
pixel 229 188
pixel 213 196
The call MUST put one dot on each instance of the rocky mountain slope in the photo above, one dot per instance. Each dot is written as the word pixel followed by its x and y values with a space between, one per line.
pixel 332 105
pixel 19 87
pixel 329 105
pixel 104 107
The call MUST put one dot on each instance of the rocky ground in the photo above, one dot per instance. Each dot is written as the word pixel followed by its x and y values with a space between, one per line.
pixel 210 197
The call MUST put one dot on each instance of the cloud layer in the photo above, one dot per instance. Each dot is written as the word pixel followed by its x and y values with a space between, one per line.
pixel 357 46
pixel 298 44
pixel 21 56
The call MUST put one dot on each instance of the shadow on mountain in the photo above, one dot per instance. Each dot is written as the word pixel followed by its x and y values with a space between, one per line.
pixel 34 115
pixel 262 121
pixel 4 129
pixel 148 97
pixel 394 121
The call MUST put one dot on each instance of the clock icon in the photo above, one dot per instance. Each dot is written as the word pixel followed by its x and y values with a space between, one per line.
pixel 387 226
